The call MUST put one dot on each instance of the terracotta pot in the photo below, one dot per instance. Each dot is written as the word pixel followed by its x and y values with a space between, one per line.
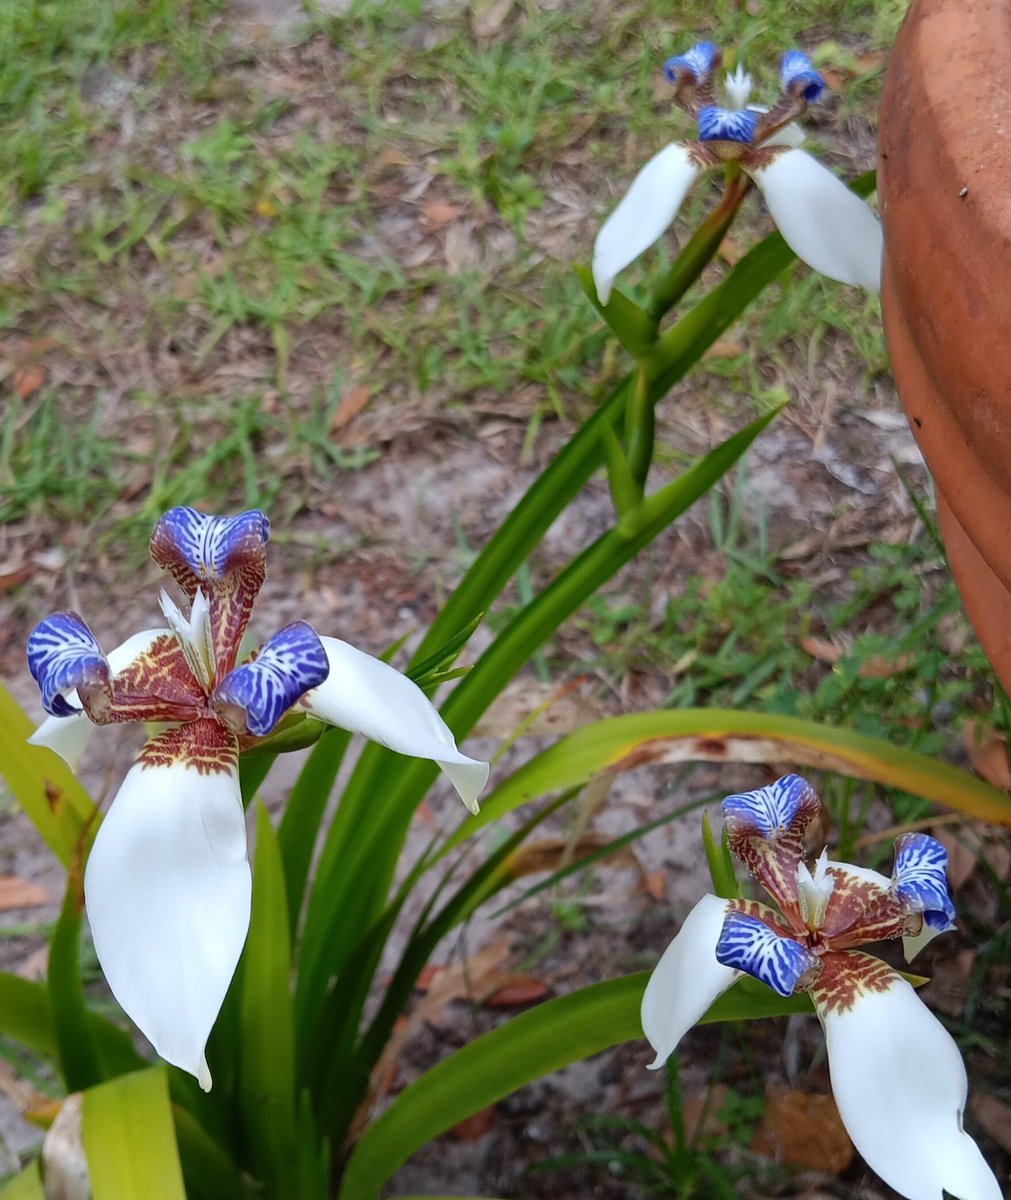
pixel 944 181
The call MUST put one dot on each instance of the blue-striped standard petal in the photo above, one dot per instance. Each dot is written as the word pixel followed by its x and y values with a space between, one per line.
pixel 798 77
pixel 694 67
pixel 257 694
pixel 747 944
pixel 727 124
pixel 63 654
pixel 920 878
pixel 770 811
pixel 224 557
pixel 207 547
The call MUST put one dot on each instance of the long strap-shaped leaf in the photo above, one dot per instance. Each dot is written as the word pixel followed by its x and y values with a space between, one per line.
pixel 722 735
pixel 41 782
pixel 129 1139
pixel 342 901
pixel 532 1045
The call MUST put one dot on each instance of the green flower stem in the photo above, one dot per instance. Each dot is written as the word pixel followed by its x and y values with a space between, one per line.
pixel 698 251
pixel 379 842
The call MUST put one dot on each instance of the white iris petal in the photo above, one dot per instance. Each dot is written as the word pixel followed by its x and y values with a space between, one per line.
pixel 167 888
pixel 686 980
pixel 366 695
pixel 822 221
pixel 900 1085
pixel 647 209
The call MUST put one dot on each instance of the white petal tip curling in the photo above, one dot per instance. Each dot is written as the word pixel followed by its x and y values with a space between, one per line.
pixel 167 889
pixel 66 736
pixel 900 1085
pixel 647 209
pixel 686 980
pixel 822 221
pixel 368 696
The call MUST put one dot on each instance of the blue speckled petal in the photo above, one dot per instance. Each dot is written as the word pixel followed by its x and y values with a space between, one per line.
pixel 796 75
pixel 208 545
pixel 771 810
pixel 223 557
pixel 748 944
pixel 920 879
pixel 695 65
pixel 290 664
pixel 64 654
pixel 727 124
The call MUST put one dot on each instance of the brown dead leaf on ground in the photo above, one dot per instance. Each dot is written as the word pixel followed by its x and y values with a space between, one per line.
pixel 993 1117
pixel 832 650
pixel 654 884
pixel 969 842
pixel 436 214
pixel 948 988
pixel 804 1130
pixel 488 16
pixel 988 753
pixel 551 854
pixel 351 404
pixel 475 1126
pixel 527 706
pixel 26 381
pixel 21 893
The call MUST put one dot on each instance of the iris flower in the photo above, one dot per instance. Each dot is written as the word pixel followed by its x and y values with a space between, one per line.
pixel 897 1075
pixel 167 882
pixel 822 221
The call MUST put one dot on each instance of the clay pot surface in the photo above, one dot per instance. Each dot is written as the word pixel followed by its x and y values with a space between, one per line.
pixel 944 181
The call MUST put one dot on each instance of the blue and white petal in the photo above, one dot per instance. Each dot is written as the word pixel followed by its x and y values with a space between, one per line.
pixel 771 811
pixel 63 655
pixel 687 979
pixel 822 221
pixel 694 67
pixel 257 694
pixel 647 209
pixel 368 696
pixel 748 944
pixel 69 736
pixel 208 545
pixel 727 124
pixel 167 889
pixel 798 76
pixel 920 879
pixel 900 1085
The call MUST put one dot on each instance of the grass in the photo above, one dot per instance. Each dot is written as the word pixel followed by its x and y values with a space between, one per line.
pixel 393 193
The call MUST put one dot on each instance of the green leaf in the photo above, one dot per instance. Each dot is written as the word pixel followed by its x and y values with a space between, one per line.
pixel 26 1185
pixel 41 782
pixel 129 1139
pixel 26 1015
pixel 303 814
pixel 719 735
pixel 528 1047
pixel 343 901
pixel 267 1064
pixel 630 324
pixel 74 1035
pixel 721 865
